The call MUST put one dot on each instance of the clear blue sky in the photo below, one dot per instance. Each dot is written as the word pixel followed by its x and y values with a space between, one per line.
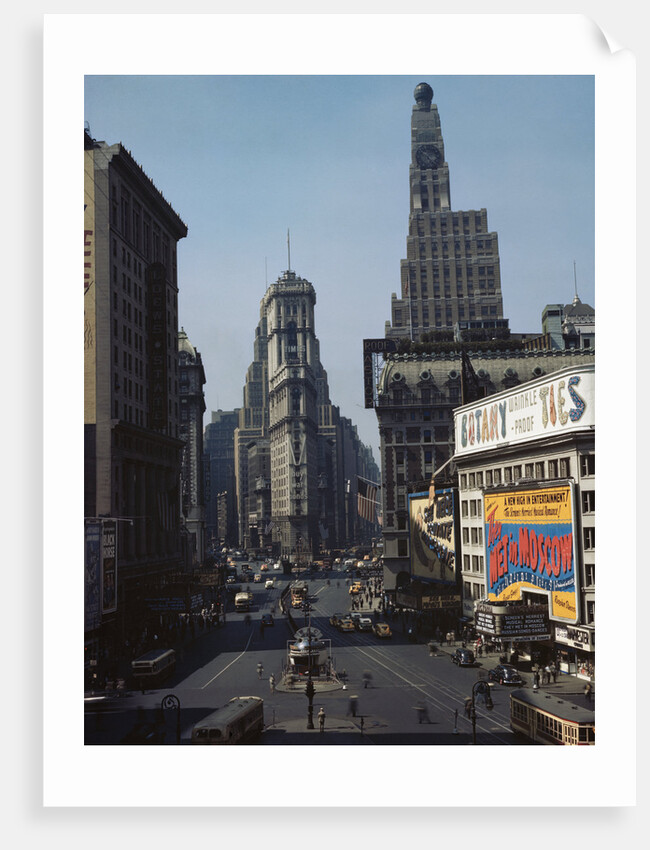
pixel 243 159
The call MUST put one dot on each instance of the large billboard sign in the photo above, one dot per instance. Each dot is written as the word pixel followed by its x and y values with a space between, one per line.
pixel 530 542
pixel 432 535
pixel 549 406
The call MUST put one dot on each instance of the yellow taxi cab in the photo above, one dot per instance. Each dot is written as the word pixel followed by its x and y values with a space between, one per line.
pixel 264 568
pixel 355 588
pixel 346 625
pixel 382 630
pixel 335 619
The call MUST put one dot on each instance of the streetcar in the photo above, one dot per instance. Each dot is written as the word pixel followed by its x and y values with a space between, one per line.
pixel 236 722
pixel 299 593
pixel 543 718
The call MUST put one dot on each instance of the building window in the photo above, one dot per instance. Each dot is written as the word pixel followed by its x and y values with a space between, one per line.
pixel 589 537
pixel 587 465
pixel 539 470
pixel 588 501
pixel 488 478
pixel 402 548
pixel 472 480
pixel 552 469
pixel 528 470
pixel 565 467
pixel 590 575
pixel 463 509
pixel 516 473
pixel 466 563
pixel 463 481
pixel 465 534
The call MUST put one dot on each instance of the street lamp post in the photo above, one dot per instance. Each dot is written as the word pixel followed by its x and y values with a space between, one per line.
pixel 309 689
pixel 482 688
pixel 171 701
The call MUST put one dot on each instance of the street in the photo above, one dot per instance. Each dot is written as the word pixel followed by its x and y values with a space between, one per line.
pixel 390 678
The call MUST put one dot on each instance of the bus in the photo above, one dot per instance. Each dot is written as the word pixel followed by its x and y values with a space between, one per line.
pixel 153 667
pixel 243 600
pixel 299 593
pixel 238 721
pixel 543 718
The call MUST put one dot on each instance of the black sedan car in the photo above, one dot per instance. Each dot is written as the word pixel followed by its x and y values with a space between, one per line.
pixel 463 657
pixel 267 619
pixel 505 674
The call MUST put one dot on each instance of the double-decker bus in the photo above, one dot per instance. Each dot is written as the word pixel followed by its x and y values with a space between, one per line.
pixel 299 593
pixel 544 718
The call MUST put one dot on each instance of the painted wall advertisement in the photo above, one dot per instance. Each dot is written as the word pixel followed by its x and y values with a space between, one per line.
pixel 432 535
pixel 530 543
pixel 544 408
pixel 109 566
pixel 92 568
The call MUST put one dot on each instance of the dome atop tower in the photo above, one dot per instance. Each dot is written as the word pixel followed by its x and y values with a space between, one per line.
pixel 423 95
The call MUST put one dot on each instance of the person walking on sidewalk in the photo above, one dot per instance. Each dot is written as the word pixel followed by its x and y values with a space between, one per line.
pixel 321 719
pixel 260 670
pixel 272 683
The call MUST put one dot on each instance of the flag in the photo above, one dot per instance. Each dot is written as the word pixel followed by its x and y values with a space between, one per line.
pixel 366 499
pixel 470 388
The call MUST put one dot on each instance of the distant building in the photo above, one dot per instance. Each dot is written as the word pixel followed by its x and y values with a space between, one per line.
pixel 133 447
pixel 451 272
pixel 220 491
pixel 296 458
pixel 191 380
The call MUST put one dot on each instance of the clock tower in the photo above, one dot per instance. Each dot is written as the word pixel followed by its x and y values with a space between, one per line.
pixel 450 278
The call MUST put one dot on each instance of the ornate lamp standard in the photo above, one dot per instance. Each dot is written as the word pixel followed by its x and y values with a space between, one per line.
pixel 482 688
pixel 309 689
pixel 171 701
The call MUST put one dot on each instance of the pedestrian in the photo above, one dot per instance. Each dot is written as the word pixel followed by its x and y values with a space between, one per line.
pixel 321 718
pixel 272 683
pixel 422 712
pixel 448 638
pixel 260 670
pixel 547 674
pixel 588 691
pixel 352 708
pixel 468 706
pixel 553 671
pixel 536 680
pixel 367 676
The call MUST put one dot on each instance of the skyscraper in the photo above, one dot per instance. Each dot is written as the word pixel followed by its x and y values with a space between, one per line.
pixel 132 451
pixel 451 271
pixel 296 458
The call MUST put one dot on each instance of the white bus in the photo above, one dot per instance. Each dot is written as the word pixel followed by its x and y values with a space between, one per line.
pixel 154 667
pixel 243 600
pixel 236 722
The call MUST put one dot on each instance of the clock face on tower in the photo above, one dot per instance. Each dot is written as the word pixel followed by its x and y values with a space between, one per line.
pixel 428 156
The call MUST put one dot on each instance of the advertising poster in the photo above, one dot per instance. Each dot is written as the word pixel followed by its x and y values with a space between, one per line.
pixel 92 557
pixel 109 568
pixel 433 541
pixel 529 536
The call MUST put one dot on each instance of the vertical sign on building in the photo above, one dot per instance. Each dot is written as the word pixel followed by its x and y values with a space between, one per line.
pixel 92 571
pixel 158 396
pixel 109 566
pixel 371 349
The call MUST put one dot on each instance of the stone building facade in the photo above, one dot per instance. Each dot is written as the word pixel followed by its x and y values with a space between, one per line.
pixel 133 448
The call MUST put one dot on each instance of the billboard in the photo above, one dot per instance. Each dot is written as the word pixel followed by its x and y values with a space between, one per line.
pixel 556 404
pixel 530 543
pixel 109 566
pixel 92 569
pixel 432 535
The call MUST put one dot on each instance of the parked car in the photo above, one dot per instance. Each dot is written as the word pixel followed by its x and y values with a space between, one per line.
pixel 382 630
pixel 364 624
pixel 355 616
pixel 505 674
pixel 463 657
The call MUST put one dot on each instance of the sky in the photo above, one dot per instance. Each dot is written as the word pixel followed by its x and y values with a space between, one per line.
pixel 246 160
